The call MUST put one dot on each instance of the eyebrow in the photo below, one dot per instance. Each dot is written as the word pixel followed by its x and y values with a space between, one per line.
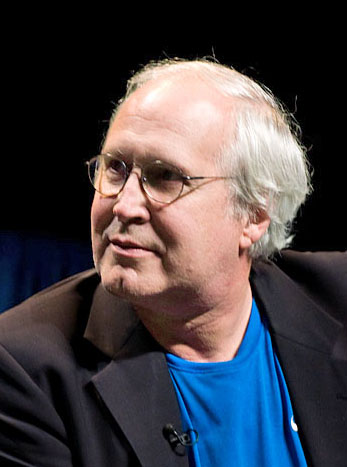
pixel 113 152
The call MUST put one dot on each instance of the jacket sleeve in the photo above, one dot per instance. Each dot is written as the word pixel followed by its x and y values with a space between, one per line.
pixel 31 431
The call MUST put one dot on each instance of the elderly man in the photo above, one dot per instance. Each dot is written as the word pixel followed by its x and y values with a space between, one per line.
pixel 187 346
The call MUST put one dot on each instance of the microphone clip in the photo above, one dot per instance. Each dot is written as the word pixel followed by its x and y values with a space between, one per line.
pixel 184 439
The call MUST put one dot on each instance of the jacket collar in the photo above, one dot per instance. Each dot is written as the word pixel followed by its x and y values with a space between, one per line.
pixel 111 321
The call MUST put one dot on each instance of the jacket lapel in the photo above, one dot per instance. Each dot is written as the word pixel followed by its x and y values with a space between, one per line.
pixel 311 347
pixel 135 386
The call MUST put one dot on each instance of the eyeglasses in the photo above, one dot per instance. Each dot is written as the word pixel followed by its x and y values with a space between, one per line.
pixel 161 181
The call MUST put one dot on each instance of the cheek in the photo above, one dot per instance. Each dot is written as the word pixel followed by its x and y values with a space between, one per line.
pixel 101 214
pixel 185 238
pixel 213 233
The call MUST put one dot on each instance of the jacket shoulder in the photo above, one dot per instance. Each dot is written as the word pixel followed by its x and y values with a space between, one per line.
pixel 320 275
pixel 327 263
pixel 59 308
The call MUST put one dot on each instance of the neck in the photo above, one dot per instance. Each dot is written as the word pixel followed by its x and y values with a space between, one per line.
pixel 204 333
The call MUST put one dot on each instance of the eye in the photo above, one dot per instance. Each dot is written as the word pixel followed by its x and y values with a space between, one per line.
pixel 169 175
pixel 115 169
pixel 158 174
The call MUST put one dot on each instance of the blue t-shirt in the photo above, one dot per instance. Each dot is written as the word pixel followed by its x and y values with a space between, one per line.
pixel 240 408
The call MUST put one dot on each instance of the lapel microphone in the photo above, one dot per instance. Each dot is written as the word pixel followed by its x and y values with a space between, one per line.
pixel 175 438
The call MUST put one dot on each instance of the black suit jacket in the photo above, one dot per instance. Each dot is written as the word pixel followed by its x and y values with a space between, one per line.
pixel 83 383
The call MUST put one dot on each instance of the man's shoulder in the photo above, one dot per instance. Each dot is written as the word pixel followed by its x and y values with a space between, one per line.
pixel 319 271
pixel 308 266
pixel 57 310
pixel 322 276
pixel 329 263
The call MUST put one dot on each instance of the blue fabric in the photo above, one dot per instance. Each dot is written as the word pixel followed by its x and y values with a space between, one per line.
pixel 241 409
pixel 29 263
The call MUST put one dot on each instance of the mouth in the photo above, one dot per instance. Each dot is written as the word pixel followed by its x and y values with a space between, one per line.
pixel 129 248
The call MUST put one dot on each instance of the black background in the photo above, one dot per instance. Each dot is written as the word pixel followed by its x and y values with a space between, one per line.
pixel 62 75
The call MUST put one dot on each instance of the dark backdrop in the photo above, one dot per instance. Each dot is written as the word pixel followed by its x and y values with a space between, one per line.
pixel 60 84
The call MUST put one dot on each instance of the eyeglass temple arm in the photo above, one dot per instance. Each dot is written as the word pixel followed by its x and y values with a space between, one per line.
pixel 188 177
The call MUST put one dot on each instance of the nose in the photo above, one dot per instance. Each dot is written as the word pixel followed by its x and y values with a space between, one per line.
pixel 132 204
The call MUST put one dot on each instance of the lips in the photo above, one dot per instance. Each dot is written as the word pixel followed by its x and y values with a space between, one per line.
pixel 127 244
pixel 129 247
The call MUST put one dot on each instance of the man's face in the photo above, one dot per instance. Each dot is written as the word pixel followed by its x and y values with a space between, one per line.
pixel 186 250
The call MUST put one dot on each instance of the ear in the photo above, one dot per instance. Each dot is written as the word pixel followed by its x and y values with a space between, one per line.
pixel 254 229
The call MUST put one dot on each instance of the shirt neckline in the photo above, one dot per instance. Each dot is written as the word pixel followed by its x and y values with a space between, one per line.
pixel 247 349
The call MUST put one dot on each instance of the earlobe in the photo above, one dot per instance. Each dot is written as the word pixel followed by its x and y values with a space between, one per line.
pixel 254 230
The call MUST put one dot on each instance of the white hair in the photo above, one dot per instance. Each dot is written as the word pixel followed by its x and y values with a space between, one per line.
pixel 263 154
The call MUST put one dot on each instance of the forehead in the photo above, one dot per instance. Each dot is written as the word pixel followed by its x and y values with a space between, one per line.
pixel 171 115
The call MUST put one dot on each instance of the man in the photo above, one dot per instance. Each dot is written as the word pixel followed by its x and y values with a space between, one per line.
pixel 188 346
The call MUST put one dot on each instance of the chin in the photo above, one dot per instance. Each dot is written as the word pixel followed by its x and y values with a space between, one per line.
pixel 129 284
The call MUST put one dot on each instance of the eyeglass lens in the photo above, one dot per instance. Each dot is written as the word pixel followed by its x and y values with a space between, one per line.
pixel 161 181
